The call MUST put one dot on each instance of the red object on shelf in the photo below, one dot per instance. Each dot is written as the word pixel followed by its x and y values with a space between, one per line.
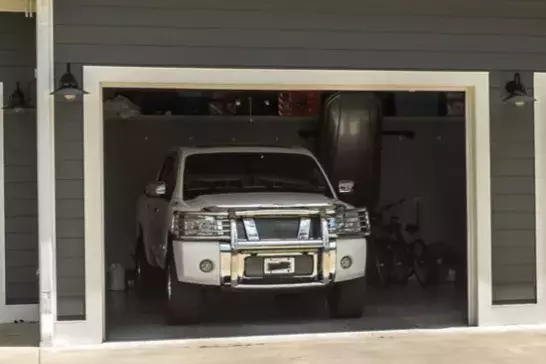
pixel 299 103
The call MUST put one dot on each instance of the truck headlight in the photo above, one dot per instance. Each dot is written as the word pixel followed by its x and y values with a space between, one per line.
pixel 195 225
pixel 347 222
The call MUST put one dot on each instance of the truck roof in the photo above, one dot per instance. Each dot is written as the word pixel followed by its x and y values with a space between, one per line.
pixel 241 149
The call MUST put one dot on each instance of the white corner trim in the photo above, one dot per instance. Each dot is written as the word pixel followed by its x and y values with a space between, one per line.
pixel 45 135
pixel 475 84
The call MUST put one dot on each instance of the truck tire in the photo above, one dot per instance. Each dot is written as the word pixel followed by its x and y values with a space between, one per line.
pixel 347 299
pixel 147 277
pixel 184 300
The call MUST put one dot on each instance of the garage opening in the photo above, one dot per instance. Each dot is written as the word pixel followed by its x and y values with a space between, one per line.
pixel 400 155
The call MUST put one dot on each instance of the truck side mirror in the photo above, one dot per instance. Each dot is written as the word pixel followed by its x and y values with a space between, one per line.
pixel 156 189
pixel 346 186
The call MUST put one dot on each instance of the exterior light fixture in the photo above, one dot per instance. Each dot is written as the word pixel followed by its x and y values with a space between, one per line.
pixel 68 86
pixel 517 95
pixel 17 101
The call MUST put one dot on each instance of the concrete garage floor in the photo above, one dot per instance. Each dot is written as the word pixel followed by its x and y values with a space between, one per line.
pixel 259 314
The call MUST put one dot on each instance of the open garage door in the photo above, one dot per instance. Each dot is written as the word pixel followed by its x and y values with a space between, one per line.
pixel 405 164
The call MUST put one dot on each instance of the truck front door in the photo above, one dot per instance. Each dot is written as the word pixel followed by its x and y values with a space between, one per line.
pixel 158 209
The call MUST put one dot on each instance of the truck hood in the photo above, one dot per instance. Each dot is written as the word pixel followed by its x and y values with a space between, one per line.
pixel 260 200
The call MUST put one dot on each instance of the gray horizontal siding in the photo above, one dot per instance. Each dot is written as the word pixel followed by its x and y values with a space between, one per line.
pixel 21 209
pixel 17 59
pixel 513 198
pixel 346 34
pixel 325 33
pixel 69 210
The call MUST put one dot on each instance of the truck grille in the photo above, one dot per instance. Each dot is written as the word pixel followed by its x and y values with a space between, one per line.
pixel 280 228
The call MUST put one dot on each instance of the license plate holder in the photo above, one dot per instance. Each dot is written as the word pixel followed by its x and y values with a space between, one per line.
pixel 279 265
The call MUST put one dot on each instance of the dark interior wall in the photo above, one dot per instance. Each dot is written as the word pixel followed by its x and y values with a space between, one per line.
pixel 431 167
pixel 17 60
pixel 496 36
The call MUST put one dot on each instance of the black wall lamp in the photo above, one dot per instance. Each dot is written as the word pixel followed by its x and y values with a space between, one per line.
pixel 17 101
pixel 517 95
pixel 68 86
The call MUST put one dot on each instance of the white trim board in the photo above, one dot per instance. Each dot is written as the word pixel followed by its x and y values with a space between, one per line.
pixel 45 142
pixel 474 84
pixel 8 313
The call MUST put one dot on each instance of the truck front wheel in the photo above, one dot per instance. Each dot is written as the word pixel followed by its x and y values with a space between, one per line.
pixel 184 300
pixel 347 299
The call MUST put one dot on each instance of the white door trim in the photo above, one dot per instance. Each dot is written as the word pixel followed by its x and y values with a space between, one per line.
pixel 8 313
pixel 475 84
pixel 45 142
pixel 536 313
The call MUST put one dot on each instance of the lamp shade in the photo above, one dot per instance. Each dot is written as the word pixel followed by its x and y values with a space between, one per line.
pixel 516 93
pixel 17 101
pixel 68 86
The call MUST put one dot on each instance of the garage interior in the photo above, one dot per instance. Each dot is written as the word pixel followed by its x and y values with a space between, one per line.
pixel 414 172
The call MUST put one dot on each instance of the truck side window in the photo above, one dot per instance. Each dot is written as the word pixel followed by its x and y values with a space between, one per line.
pixel 168 174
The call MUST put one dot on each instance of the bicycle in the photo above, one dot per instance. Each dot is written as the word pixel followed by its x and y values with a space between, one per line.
pixel 420 257
pixel 389 250
pixel 394 257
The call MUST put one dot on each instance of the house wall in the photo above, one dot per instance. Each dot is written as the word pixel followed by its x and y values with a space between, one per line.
pixel 17 60
pixel 500 36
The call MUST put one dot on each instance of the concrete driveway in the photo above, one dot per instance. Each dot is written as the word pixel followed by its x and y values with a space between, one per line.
pixel 460 346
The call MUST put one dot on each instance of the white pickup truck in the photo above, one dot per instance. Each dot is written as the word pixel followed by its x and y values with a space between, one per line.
pixel 248 218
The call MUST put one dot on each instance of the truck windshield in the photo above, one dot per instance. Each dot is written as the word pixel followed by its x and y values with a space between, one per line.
pixel 214 173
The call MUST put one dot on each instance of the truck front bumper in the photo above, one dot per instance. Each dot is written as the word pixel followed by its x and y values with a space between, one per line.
pixel 315 263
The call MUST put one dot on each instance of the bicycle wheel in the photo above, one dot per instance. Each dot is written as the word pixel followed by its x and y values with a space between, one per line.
pixel 400 268
pixel 421 262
